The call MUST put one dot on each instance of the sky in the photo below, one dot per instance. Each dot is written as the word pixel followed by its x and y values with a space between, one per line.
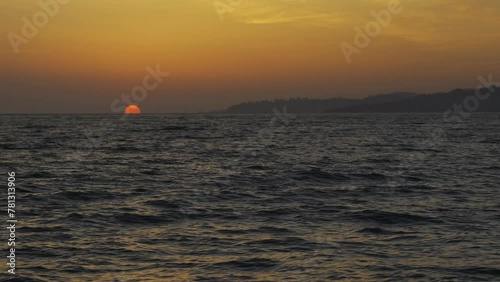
pixel 79 56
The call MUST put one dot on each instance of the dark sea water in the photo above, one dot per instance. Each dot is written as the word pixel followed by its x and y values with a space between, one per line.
pixel 373 197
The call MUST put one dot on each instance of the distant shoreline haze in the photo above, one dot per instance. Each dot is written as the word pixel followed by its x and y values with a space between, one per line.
pixel 398 102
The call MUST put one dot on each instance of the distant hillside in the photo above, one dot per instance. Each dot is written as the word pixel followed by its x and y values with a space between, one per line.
pixel 439 102
pixel 304 105
pixel 386 98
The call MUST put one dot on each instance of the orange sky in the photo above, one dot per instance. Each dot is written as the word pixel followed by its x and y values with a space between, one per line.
pixel 89 52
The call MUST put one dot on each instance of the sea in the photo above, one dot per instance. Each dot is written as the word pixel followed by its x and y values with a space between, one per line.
pixel 264 197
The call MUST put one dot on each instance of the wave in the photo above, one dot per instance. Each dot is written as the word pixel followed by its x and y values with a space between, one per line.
pixel 253 264
pixel 317 175
pixel 379 231
pixel 133 218
pixel 391 217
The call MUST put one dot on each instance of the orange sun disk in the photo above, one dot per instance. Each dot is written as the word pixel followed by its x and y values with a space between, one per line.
pixel 132 110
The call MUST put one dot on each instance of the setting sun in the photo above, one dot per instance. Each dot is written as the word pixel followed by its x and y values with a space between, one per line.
pixel 132 110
